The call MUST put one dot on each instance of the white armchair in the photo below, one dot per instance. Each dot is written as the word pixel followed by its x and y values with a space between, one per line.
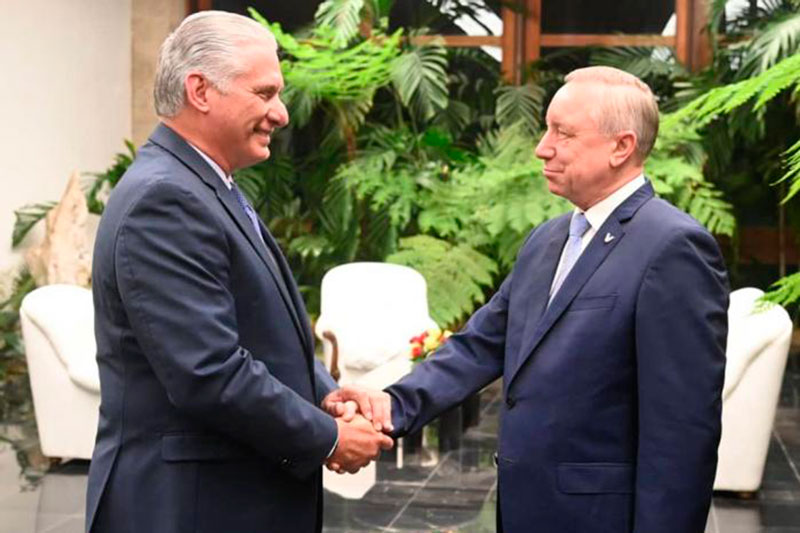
pixel 758 345
pixel 369 312
pixel 58 332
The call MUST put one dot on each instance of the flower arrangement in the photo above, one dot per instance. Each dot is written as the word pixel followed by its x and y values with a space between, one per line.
pixel 426 343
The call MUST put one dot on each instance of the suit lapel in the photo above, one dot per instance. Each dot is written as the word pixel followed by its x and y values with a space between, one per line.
pixel 604 241
pixel 298 307
pixel 177 146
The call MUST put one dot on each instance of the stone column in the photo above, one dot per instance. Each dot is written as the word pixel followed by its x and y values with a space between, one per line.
pixel 151 22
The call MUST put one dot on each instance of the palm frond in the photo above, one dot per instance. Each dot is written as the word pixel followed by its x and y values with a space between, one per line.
pixel 420 78
pixel 779 40
pixel 643 62
pixel 342 16
pixel 520 104
pixel 723 100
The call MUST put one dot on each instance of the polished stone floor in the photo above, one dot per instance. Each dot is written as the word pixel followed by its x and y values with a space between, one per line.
pixel 452 491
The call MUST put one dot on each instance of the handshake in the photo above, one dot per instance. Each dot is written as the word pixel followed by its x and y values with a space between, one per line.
pixel 363 417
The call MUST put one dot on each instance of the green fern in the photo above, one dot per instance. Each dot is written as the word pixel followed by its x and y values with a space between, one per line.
pixel 784 291
pixel 723 100
pixel 457 275
pixel 494 200
pixel 322 69
pixel 675 168
pixel 779 40
pixel 792 174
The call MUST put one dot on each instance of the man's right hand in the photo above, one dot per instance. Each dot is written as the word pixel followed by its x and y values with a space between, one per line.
pixel 359 443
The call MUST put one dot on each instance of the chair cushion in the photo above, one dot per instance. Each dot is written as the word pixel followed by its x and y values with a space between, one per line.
pixel 65 315
pixel 750 332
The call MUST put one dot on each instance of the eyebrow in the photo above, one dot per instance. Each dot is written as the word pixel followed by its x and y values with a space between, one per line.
pixel 269 88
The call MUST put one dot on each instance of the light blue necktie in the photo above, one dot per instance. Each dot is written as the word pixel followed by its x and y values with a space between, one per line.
pixel 577 227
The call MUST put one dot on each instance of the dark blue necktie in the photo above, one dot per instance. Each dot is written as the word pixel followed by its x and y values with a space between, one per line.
pixel 251 214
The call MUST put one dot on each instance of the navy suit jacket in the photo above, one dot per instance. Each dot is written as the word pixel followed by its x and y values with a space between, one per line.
pixel 209 418
pixel 611 412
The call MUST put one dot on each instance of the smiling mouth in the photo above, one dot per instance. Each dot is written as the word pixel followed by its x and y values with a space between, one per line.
pixel 267 135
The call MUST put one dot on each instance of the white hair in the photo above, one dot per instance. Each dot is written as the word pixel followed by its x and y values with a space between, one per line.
pixel 205 42
pixel 628 104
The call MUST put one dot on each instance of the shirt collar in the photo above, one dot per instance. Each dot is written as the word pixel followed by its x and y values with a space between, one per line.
pixel 227 180
pixel 599 212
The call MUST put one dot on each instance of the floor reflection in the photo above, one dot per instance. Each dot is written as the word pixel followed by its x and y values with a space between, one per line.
pixel 449 491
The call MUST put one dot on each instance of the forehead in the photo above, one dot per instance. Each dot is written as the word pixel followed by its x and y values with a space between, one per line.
pixel 575 103
pixel 258 61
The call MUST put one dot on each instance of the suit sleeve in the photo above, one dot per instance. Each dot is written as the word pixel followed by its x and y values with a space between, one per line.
pixel 681 332
pixel 468 362
pixel 172 267
pixel 324 381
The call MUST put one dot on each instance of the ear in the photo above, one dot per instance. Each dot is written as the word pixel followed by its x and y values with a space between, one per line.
pixel 198 91
pixel 624 148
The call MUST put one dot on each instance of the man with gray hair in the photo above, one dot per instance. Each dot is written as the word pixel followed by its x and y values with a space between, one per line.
pixel 609 335
pixel 213 412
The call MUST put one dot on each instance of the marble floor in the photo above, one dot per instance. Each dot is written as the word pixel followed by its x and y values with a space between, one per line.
pixel 449 491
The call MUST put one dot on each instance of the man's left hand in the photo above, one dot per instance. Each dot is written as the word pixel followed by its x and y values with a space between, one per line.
pixel 374 405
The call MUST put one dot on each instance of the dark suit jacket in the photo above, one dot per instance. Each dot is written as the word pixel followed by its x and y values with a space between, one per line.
pixel 209 419
pixel 611 413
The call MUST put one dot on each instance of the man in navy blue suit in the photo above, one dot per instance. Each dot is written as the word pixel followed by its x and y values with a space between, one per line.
pixel 609 334
pixel 211 417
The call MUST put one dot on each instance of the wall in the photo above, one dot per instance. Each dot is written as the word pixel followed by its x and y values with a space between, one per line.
pixel 65 100
pixel 152 21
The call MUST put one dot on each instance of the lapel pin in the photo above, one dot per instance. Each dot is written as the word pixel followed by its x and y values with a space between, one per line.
pixel 608 238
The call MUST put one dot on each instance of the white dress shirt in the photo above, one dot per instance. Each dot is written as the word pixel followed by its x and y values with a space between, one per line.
pixel 597 215
pixel 227 180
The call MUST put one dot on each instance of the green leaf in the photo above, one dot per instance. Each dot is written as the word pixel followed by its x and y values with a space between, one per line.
pixel 26 218
pixel 343 16
pixel 456 275
pixel 520 104
pixel 420 78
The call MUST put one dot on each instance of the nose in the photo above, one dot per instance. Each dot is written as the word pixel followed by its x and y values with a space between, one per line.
pixel 545 150
pixel 278 115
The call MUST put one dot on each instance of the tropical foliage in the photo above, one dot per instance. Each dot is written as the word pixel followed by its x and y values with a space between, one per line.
pixel 420 155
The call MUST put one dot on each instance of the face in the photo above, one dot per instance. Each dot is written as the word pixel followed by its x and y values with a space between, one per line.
pixel 576 154
pixel 243 118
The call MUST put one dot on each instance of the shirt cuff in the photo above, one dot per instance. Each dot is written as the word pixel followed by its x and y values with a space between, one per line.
pixel 333 449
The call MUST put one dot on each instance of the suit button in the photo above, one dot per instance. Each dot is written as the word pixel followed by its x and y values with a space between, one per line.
pixel 510 402
pixel 285 463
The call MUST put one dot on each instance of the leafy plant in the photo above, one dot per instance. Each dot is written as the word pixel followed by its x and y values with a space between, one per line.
pixel 457 275
pixel 12 354
pixel 29 215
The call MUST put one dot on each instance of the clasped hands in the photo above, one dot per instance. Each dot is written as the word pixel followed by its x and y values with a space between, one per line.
pixel 363 417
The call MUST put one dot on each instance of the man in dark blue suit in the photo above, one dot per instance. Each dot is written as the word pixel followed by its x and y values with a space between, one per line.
pixel 210 419
pixel 609 334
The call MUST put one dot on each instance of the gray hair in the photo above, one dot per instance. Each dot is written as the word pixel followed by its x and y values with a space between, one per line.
pixel 205 42
pixel 629 104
